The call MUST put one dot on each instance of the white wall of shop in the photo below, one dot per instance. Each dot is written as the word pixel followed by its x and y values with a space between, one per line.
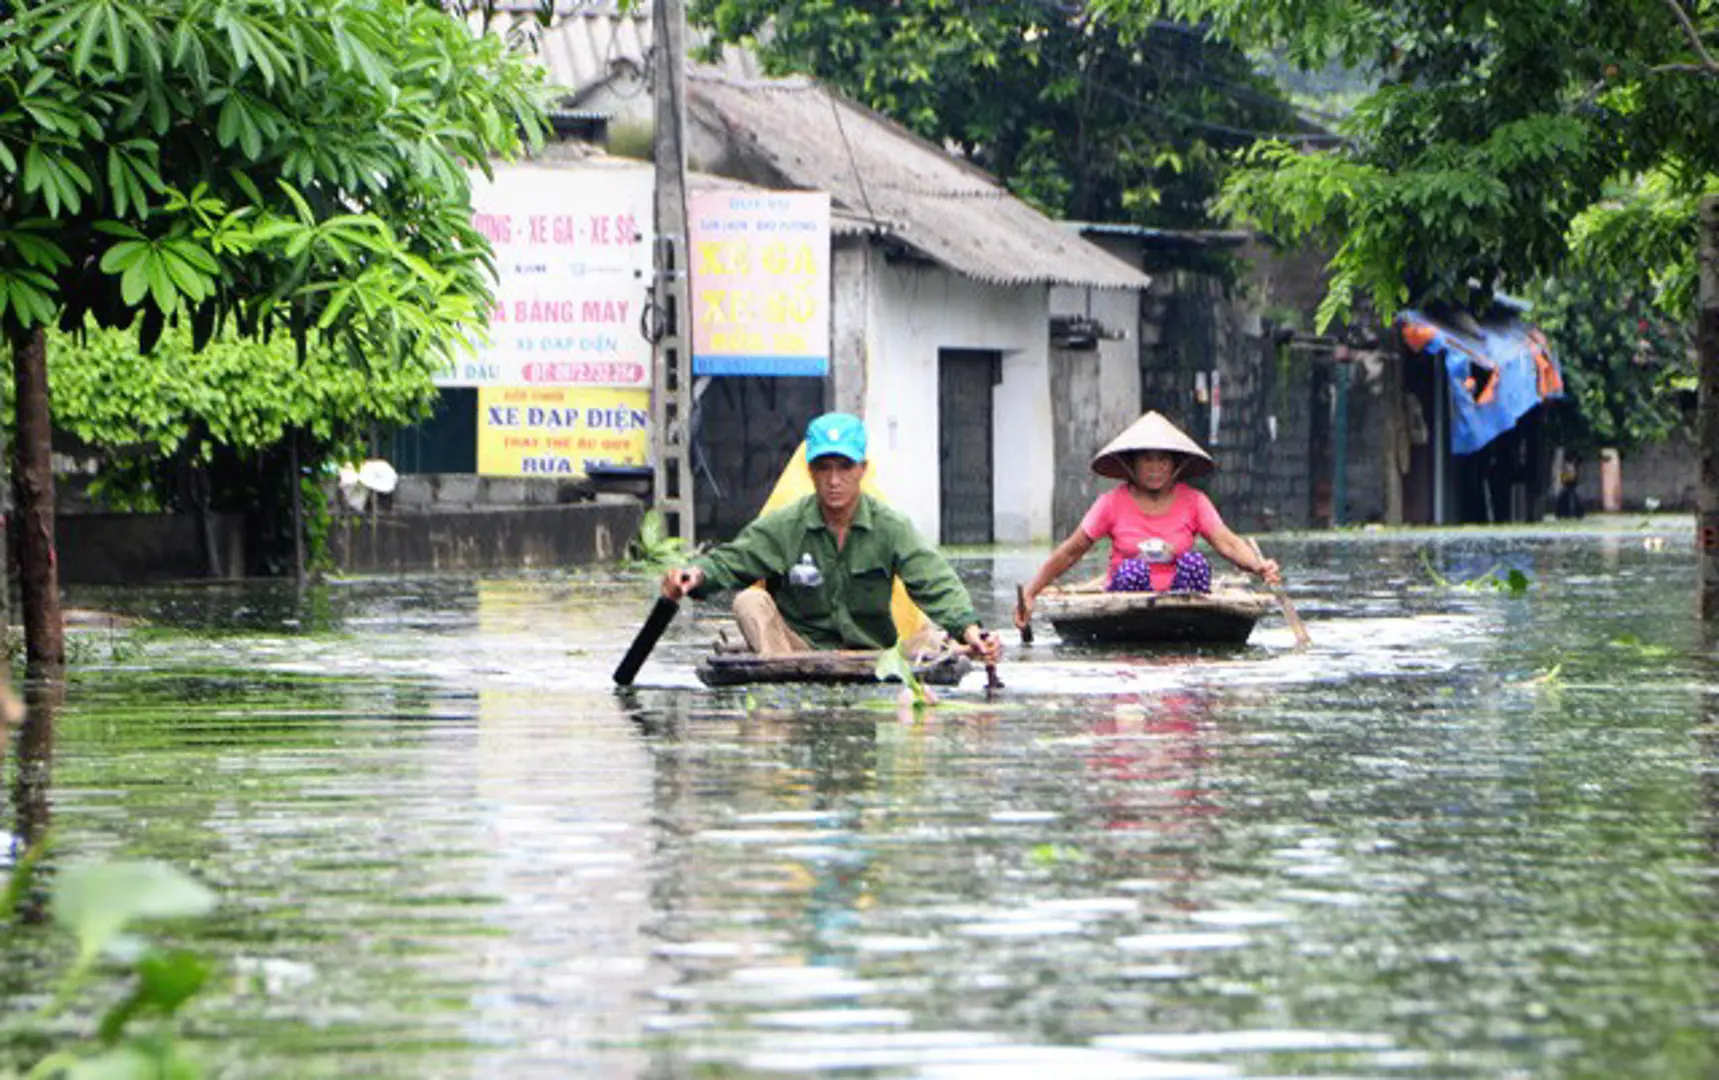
pixel 914 310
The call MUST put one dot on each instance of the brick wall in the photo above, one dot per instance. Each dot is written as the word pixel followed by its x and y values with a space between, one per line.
pixel 1193 326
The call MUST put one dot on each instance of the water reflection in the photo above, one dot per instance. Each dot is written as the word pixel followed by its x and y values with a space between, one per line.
pixel 1469 834
pixel 32 783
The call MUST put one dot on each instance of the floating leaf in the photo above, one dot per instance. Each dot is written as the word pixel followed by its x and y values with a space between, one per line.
pixel 1046 855
pixel 165 981
pixel 95 901
pixel 892 665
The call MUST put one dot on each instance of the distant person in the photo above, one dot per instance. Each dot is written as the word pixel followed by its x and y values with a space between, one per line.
pixel 1569 502
pixel 1151 519
pixel 829 563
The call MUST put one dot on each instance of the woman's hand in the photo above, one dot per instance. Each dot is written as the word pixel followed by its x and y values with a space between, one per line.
pixel 1268 570
pixel 1024 608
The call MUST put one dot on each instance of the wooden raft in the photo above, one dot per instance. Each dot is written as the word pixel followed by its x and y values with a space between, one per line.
pixel 1224 616
pixel 828 667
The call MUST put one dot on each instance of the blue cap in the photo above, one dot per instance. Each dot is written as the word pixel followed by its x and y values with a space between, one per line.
pixel 836 433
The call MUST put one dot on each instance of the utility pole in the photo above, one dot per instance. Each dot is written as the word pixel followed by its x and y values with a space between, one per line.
pixel 1707 413
pixel 671 387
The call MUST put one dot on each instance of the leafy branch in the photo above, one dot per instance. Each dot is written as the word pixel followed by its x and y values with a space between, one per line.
pixel 653 548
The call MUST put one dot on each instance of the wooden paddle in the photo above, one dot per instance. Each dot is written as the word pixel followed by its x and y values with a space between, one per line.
pixel 1020 609
pixel 1302 641
pixel 992 682
pixel 662 613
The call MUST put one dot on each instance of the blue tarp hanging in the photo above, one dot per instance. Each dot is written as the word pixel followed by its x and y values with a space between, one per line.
pixel 1498 370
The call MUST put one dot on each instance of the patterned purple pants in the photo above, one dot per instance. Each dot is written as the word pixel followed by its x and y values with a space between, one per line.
pixel 1193 574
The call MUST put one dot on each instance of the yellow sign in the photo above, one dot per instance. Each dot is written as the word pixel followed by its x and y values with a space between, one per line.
pixel 560 431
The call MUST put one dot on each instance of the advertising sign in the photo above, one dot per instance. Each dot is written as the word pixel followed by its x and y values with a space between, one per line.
pixel 573 266
pixel 560 431
pixel 760 282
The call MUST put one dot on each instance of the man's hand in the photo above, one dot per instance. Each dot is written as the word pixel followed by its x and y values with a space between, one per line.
pixel 681 580
pixel 1268 570
pixel 986 647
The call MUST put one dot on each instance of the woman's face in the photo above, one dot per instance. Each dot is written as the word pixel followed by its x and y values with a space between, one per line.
pixel 1154 469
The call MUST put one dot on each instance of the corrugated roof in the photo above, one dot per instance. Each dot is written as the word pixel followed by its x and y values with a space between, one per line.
pixel 951 211
pixel 881 177
pixel 589 42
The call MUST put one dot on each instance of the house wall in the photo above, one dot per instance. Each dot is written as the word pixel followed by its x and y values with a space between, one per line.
pixel 745 429
pixel 1193 326
pixel 915 310
pixel 1095 393
pixel 1365 455
pixel 1663 471
pixel 850 316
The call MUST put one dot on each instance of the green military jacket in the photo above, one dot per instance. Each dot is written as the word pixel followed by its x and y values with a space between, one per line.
pixel 850 608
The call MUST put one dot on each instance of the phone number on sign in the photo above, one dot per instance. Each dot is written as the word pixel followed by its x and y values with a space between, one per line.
pixel 585 371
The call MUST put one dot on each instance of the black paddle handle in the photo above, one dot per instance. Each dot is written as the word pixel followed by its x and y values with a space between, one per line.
pixel 662 613
pixel 1021 607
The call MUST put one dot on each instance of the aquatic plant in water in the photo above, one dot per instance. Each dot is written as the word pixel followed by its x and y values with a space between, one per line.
pixel 1497 579
pixel 99 904
pixel 894 664
pixel 653 548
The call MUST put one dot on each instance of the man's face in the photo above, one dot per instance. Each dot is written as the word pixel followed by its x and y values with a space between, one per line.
pixel 837 481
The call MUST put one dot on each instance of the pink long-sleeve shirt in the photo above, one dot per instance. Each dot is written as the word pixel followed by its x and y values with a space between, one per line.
pixel 1117 517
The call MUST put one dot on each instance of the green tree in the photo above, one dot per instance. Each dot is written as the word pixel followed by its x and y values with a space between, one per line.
pixel 1501 132
pixel 1089 118
pixel 264 166
pixel 1627 366
pixel 212 430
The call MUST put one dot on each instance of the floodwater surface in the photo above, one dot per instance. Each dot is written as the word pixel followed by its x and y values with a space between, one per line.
pixel 1468 834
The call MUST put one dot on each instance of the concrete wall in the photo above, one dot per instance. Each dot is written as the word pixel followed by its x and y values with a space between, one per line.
pixel 1366 434
pixel 1194 326
pixel 850 315
pixel 523 537
pixel 446 529
pixel 914 311
pixel 1663 471
pixel 117 549
pixel 420 491
pixel 1095 393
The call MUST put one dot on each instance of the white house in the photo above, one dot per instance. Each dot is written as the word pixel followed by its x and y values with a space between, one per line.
pixel 941 307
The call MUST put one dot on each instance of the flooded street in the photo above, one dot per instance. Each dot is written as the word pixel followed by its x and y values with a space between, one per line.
pixel 1467 834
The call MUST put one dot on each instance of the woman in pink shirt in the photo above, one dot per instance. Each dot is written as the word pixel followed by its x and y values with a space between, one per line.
pixel 1151 519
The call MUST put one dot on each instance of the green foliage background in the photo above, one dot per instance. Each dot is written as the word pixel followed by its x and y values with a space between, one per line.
pixel 1504 138
pixel 1091 118
pixel 242 395
pixel 1628 370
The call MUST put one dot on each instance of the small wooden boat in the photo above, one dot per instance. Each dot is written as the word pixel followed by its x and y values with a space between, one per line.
pixel 1225 616
pixel 728 668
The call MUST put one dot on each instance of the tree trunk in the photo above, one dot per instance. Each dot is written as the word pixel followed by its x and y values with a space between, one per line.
pixel 1707 413
pixel 33 480
pixel 298 561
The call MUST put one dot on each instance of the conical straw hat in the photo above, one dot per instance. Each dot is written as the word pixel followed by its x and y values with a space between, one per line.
pixel 1152 432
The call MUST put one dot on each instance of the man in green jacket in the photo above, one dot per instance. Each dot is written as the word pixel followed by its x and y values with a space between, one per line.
pixel 829 562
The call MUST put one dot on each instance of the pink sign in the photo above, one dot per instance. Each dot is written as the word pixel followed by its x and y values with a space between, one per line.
pixel 760 282
pixel 573 263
